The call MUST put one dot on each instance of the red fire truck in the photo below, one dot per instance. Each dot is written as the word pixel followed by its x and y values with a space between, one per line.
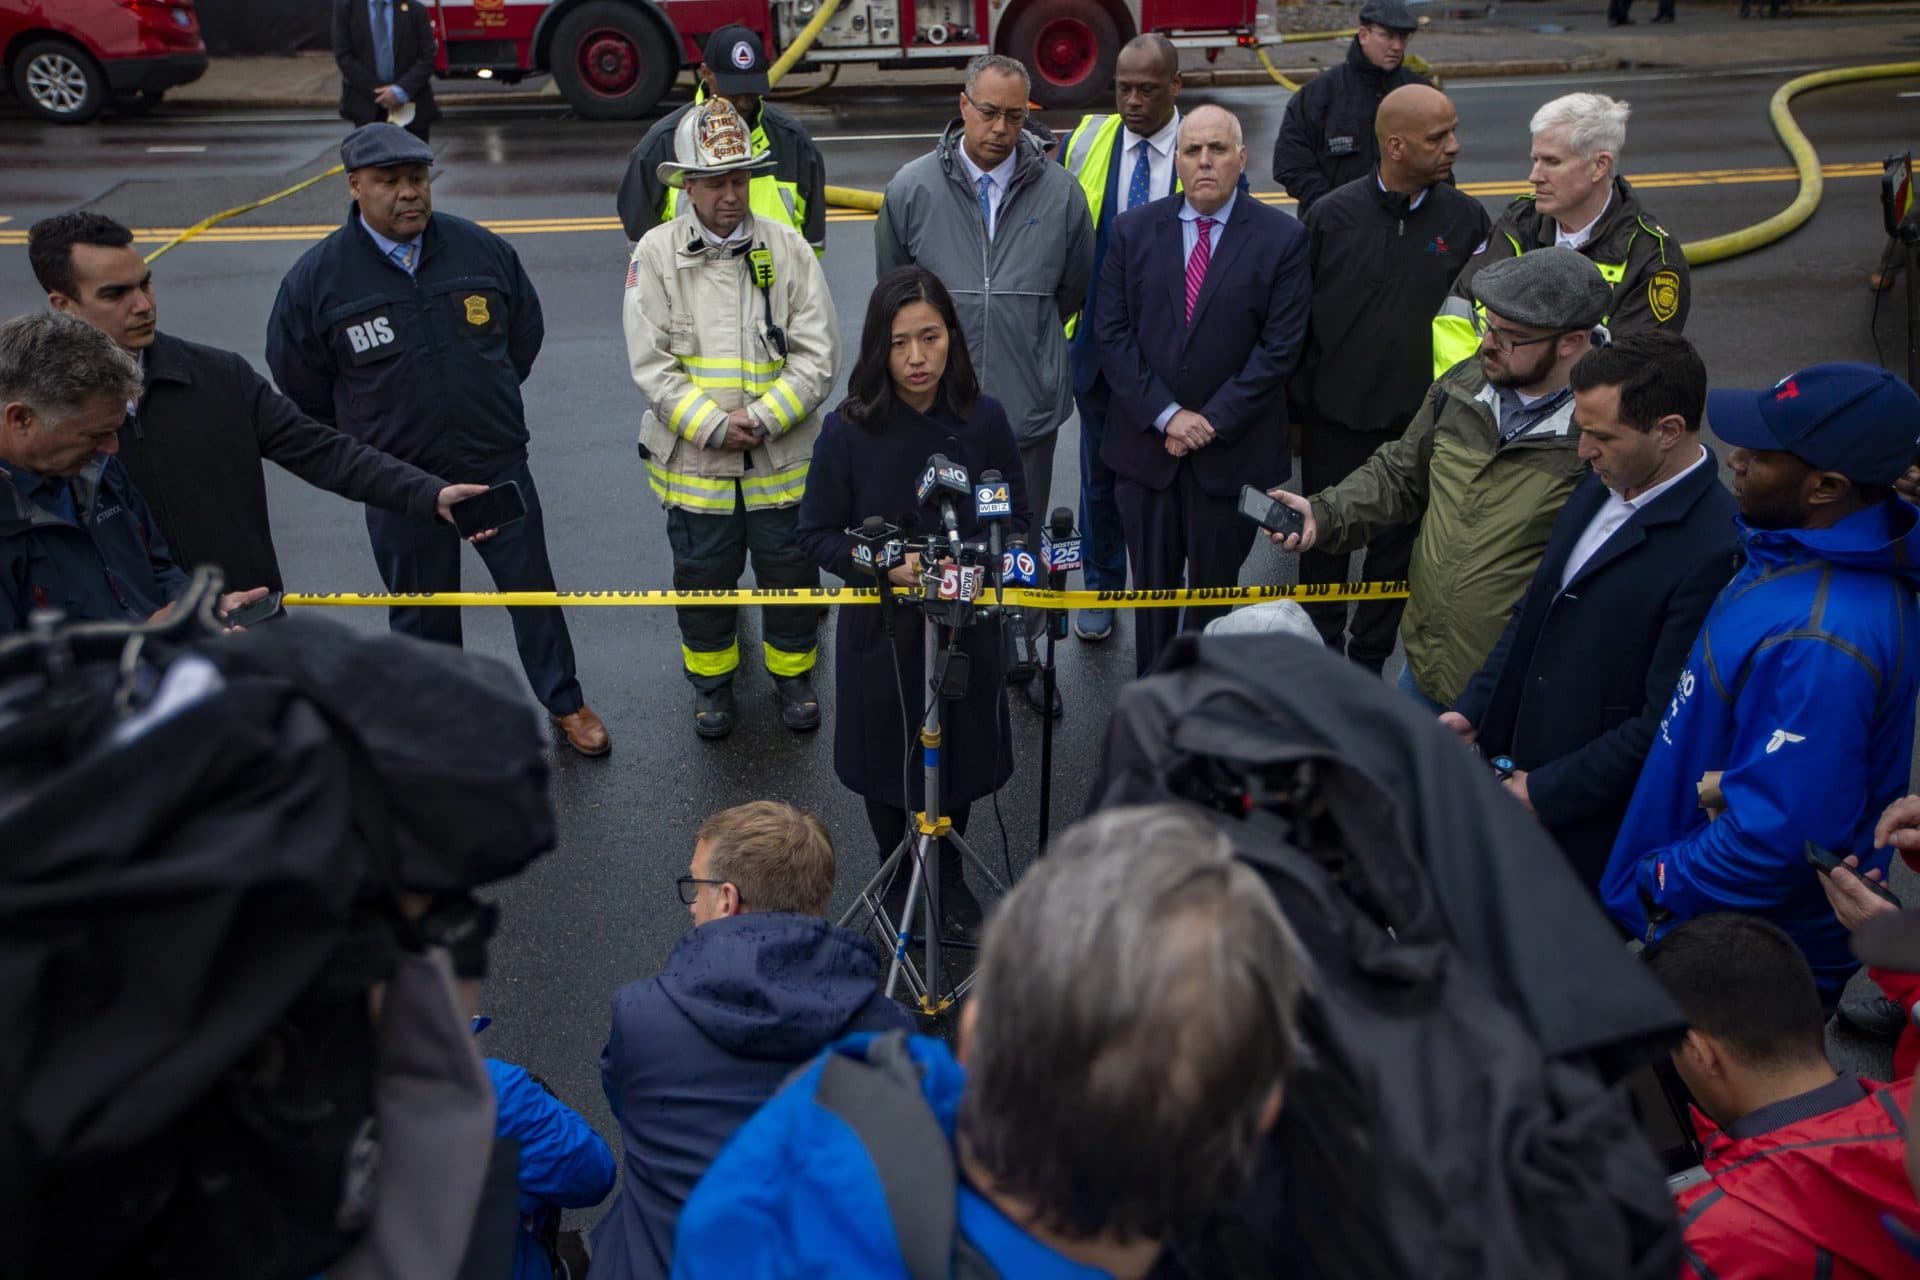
pixel 613 59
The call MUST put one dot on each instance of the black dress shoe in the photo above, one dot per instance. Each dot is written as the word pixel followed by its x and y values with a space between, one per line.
pixel 799 708
pixel 1038 700
pixel 713 712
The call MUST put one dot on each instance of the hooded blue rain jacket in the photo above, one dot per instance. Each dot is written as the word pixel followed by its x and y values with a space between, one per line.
pixel 1800 689
pixel 795 1195
pixel 694 1051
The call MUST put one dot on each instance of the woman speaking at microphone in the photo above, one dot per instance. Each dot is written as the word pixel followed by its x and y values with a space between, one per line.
pixel 912 394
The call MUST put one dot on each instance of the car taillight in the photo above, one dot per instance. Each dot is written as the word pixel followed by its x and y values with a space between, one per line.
pixel 159 12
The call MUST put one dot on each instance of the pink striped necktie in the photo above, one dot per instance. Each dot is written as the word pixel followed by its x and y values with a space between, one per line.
pixel 1197 262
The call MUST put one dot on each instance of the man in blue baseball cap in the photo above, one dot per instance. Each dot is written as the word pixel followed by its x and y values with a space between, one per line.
pixel 1797 701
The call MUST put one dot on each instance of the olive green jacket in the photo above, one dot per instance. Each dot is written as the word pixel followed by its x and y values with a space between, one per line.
pixel 1484 510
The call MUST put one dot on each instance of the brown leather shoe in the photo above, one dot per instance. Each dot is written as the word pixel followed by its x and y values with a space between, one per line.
pixel 585 733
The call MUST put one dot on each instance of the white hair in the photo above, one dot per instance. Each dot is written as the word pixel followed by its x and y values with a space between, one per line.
pixel 1593 121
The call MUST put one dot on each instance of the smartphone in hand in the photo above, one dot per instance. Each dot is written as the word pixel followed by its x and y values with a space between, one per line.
pixel 1269 512
pixel 255 612
pixel 497 507
pixel 1827 862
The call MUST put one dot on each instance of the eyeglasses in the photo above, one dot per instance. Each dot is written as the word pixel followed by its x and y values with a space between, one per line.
pixel 1016 117
pixel 1506 344
pixel 689 887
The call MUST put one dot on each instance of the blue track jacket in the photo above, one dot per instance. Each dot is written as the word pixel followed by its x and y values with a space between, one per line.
pixel 794 1195
pixel 1800 689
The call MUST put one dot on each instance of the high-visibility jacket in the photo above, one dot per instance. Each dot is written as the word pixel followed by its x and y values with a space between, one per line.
pixel 1639 260
pixel 794 193
pixel 1088 156
pixel 700 345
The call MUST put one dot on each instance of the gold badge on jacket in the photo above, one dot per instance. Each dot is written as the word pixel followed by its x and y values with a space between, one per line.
pixel 477 313
pixel 1663 295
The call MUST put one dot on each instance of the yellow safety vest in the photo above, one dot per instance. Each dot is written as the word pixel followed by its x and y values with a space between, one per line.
pixel 1089 158
pixel 1457 329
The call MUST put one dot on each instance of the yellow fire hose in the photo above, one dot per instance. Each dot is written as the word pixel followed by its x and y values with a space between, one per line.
pixel 1747 239
pixel 801 43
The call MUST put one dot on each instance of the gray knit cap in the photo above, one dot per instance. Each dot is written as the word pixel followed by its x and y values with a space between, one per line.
pixel 1557 288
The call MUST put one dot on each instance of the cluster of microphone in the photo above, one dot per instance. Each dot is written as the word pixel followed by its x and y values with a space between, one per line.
pixel 956 574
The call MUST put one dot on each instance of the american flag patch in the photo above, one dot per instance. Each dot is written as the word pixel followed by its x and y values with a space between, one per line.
pixel 633 273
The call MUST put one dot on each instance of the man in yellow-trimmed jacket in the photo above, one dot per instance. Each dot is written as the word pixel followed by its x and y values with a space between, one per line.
pixel 732 337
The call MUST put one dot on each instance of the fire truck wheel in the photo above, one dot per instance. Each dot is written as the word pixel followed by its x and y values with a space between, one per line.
pixel 1070 46
pixel 611 61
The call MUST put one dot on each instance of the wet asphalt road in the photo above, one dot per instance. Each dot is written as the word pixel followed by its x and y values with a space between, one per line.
pixel 601 909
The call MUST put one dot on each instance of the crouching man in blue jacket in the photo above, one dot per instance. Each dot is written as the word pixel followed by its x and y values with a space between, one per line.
pixel 1124 1048
pixel 1799 692
pixel 564 1164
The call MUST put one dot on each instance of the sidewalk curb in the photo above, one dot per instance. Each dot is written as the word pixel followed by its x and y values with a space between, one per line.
pixel 1229 78
pixel 1238 77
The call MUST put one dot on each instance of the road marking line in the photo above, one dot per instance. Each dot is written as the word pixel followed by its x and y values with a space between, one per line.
pixel 178 150
pixel 878 137
pixel 1530 82
pixel 232 233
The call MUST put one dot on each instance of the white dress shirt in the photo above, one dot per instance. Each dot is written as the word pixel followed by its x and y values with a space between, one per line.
pixel 1001 174
pixel 1159 161
pixel 1613 513
pixel 1576 239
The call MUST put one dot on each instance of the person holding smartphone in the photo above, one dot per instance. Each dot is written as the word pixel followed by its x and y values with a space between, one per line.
pixel 913 393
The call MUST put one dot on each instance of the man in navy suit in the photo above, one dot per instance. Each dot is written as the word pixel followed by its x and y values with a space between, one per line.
pixel 1202 311
pixel 1572 694
pixel 1123 160
pixel 385 51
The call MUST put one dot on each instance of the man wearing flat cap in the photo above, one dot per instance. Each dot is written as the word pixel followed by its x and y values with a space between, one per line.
pixel 1483 469
pixel 1327 136
pixel 412 331
pixel 792 190
pixel 1799 692
pixel 732 338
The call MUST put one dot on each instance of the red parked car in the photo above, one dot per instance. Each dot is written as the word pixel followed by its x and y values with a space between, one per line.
pixel 69 59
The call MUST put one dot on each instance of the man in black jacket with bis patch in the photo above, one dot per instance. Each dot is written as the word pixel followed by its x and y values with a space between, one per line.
pixel 194 440
pixel 1383 251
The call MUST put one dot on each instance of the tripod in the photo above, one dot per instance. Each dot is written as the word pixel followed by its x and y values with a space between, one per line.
pixel 921 847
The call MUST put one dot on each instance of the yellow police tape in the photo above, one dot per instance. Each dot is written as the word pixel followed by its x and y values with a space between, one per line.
pixel 1034 598
pixel 214 220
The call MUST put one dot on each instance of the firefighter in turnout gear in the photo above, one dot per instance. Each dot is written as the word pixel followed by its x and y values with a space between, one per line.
pixel 732 337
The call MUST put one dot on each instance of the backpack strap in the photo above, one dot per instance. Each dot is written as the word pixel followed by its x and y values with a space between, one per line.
pixel 880 1100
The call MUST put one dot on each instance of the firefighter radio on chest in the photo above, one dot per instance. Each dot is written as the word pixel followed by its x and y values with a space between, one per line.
pixel 760 263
